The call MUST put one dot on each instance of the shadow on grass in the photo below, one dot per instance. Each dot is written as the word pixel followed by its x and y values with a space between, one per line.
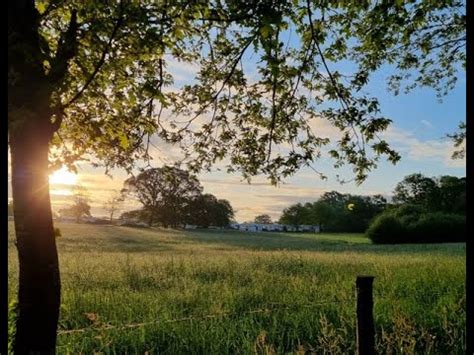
pixel 137 240
pixel 115 242
pixel 310 242
pixel 115 245
pixel 270 241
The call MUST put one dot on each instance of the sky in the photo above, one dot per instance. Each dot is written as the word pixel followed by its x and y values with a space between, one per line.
pixel 418 133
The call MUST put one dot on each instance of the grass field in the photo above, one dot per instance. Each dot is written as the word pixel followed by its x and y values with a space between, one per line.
pixel 132 291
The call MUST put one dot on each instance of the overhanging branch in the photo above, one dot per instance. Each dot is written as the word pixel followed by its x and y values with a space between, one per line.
pixel 101 61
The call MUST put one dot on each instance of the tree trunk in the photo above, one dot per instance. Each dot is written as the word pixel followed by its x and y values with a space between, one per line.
pixel 30 113
pixel 39 281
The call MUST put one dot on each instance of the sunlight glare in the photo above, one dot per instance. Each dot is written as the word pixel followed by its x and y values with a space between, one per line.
pixel 63 177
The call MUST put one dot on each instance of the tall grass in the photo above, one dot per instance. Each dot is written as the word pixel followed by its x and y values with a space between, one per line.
pixel 266 293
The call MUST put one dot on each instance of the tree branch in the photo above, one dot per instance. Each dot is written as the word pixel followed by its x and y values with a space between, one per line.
pixel 333 81
pixel 460 39
pixel 226 79
pixel 313 36
pixel 274 87
pixel 101 60
pixel 66 50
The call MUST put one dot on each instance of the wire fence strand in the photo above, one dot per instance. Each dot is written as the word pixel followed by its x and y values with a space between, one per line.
pixel 270 308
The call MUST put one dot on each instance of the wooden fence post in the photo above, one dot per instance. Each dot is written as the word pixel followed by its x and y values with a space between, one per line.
pixel 365 318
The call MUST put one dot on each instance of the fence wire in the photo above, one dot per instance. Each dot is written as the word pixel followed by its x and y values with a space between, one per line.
pixel 268 309
pixel 271 307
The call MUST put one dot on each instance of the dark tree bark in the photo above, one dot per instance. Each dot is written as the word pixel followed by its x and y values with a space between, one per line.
pixel 39 280
pixel 30 131
pixel 150 219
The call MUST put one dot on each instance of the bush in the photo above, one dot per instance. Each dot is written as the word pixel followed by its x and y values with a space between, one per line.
pixel 411 225
pixel 386 229
pixel 408 212
pixel 439 227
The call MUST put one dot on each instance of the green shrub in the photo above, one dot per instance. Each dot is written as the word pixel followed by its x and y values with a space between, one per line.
pixel 409 224
pixel 386 229
pixel 408 213
pixel 439 227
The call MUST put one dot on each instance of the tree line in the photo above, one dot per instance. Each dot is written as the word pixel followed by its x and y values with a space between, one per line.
pixel 424 210
pixel 336 212
pixel 430 198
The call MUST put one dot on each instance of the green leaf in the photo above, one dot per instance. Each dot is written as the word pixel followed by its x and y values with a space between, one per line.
pixel 41 7
pixel 266 31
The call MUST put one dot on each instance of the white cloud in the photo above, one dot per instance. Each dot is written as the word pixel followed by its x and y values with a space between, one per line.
pixel 411 147
pixel 427 124
pixel 323 128
pixel 183 71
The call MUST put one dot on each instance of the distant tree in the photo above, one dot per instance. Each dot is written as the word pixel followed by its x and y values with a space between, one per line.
pixel 263 219
pixel 336 212
pixel 224 214
pixel 200 210
pixel 307 214
pixel 334 199
pixel 206 210
pixel 293 215
pixel 322 213
pixel 113 204
pixel 452 195
pixel 445 194
pixel 164 193
pixel 81 207
pixel 360 210
pixel 378 202
pixel 416 189
pixel 10 208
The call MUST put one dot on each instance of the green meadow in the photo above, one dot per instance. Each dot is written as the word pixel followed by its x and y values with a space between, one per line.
pixel 135 291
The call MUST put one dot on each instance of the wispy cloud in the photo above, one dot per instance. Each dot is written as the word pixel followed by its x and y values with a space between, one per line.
pixel 181 71
pixel 427 124
pixel 411 147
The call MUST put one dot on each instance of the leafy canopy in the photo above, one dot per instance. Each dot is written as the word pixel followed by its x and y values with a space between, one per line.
pixel 336 212
pixel 263 219
pixel 207 210
pixel 267 77
pixel 164 192
pixel 446 193
pixel 172 196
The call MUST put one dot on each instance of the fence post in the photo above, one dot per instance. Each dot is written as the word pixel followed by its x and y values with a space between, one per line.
pixel 365 319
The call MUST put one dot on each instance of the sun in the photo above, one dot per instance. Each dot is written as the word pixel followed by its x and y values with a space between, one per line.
pixel 63 177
